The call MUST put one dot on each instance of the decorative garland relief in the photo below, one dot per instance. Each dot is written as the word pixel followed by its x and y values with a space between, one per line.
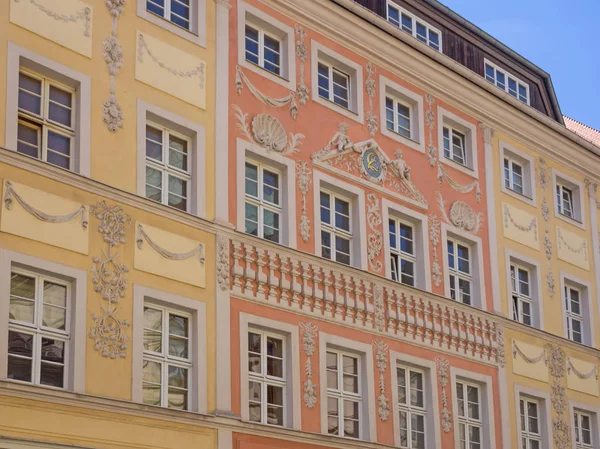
pixel 309 334
pixel 383 403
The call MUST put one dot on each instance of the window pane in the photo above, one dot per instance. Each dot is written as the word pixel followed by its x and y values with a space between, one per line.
pixel 59 107
pixel 20 344
pixel 178 347
pixel 153 143
pixel 151 383
pixel 22 295
pixel 53 350
pixel 54 317
pixel 178 399
pixel 52 373
pixel 156 6
pixel 30 91
pixel 178 377
pixel 252 45
pixel 19 369
pixel 178 157
pixel 59 143
pixel 28 140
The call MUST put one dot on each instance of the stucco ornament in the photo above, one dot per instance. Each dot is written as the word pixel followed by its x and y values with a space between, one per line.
pixel 372 121
pixel 241 79
pixel 556 361
pixel 112 113
pixel 375 238
pixel 461 215
pixel 543 180
pixel 309 334
pixel 443 365
pixel 84 15
pixel 223 262
pixel 379 308
pixel 572 368
pixel 339 142
pixel 582 249
pixel 113 54
pixel 115 7
pixel 303 173
pixel 108 277
pixel 142 236
pixel 434 238
pixel 430 121
pixel 500 349
pixel 302 55
pixel 531 226
pixel 461 188
pixel 383 403
pixel 268 132
pixel 561 434
pixel 557 366
pixel 558 397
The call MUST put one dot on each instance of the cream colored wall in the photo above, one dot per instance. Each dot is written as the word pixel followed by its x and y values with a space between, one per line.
pixel 531 244
pixel 113 155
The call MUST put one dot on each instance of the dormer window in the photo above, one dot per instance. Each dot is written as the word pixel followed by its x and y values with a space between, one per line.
pixel 414 26
pixel 507 82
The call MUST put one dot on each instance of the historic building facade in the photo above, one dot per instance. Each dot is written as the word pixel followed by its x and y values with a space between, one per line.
pixel 290 224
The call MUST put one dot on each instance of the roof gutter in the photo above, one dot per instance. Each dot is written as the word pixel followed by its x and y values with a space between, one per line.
pixel 446 61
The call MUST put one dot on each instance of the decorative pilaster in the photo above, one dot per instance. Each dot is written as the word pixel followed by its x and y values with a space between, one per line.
pixel 113 56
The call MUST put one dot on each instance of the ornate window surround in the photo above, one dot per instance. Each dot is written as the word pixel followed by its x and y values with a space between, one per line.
pixel 19 57
pixel 432 428
pixel 292 402
pixel 320 52
pixel 529 181
pixel 594 412
pixel 447 118
pixel 197 32
pixel 476 246
pixel 75 361
pixel 535 283
pixel 368 411
pixel 195 132
pixel 358 257
pixel 585 288
pixel 487 406
pixel 415 101
pixel 579 210
pixel 287 168
pixel 197 309
pixel 545 418
pixel 285 33
pixel 420 226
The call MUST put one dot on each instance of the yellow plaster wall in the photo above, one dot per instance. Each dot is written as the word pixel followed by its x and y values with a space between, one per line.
pixel 114 155
pixel 100 372
pixel 562 260
pixel 534 370
pixel 69 425
pixel 71 235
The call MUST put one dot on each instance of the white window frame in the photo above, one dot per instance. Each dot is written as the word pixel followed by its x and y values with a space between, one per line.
pixel 292 368
pixel 476 254
pixel 164 358
pixel 340 394
pixel 261 48
pixel 584 288
pixel 418 221
pixel 579 211
pixel 527 162
pixel 194 133
pixel 323 181
pixel 457 274
pixel 367 412
pixel 75 350
pixel 429 370
pixel 388 88
pixel 247 14
pixel 286 168
pixel 331 71
pixel 415 19
pixel 486 406
pixel 515 268
pixel 594 413
pixel 545 416
pixel 577 418
pixel 320 53
pixel 526 434
pixel 197 31
pixel 447 119
pixel 20 59
pixel 535 286
pixel 507 76
pixel 166 169
pixel 332 229
pixel 196 310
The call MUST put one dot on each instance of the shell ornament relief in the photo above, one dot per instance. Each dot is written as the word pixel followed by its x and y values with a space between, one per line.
pixel 461 215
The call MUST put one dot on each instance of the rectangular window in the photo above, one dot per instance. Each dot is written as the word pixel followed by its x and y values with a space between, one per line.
pixel 334 85
pixel 531 436
pixel 38 328
pixel 411 407
pixel 266 378
pixel 521 293
pixel 564 200
pixel 573 308
pixel 175 11
pixel 398 117
pixel 336 233
pixel 460 276
pixel 468 397
pixel 167 359
pixel 46 125
pixel 168 174
pixel 263 202
pixel 414 26
pixel 402 251
pixel 513 176
pixel 263 49
pixel 507 82
pixel 583 430
pixel 454 145
pixel 343 394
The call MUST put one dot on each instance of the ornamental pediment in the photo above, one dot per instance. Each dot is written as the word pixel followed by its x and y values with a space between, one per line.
pixel 366 163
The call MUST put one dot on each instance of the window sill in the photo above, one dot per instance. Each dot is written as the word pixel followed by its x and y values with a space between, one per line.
pixel 518 196
pixel 196 38
pixel 572 221
pixel 358 117
pixel 279 79
pixel 463 168
pixel 414 144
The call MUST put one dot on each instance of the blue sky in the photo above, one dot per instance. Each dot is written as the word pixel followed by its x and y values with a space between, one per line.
pixel 559 37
